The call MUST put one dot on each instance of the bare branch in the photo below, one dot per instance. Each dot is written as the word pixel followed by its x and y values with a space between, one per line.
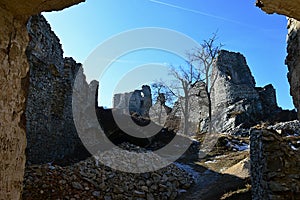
pixel 197 72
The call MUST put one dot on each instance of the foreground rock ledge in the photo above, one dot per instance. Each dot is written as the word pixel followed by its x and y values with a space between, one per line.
pixel 20 8
pixel 288 8
pixel 14 82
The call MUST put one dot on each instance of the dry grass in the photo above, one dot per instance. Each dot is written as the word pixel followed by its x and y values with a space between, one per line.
pixel 238 194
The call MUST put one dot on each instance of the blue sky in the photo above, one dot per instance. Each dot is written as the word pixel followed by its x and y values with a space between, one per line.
pixel 241 26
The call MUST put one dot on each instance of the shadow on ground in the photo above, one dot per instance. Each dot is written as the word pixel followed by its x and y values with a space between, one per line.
pixel 211 185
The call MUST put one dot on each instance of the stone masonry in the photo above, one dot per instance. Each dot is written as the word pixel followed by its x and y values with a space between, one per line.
pixel 293 60
pixel 283 182
pixel 236 101
pixel 275 165
pixel 51 133
pixel 232 79
pixel 14 79
pixel 138 101
pixel 235 98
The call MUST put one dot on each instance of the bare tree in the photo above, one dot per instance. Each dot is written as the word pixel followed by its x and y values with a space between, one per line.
pixel 193 82
pixel 203 58
pixel 183 85
pixel 163 93
pixel 162 97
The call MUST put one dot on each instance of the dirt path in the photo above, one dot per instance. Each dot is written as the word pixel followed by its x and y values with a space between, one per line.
pixel 211 185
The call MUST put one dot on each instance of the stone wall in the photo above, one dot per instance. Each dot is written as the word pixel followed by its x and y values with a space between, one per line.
pixel 232 80
pixel 275 164
pixel 267 97
pixel 293 60
pixel 235 99
pixel 189 111
pixel 138 101
pixel 51 133
pixel 159 110
pixel 236 102
pixel 14 80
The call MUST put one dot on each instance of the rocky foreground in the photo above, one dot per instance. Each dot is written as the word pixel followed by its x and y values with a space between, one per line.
pixel 90 180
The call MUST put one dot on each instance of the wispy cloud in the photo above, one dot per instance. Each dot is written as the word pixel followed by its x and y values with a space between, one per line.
pixel 121 60
pixel 197 12
pixel 136 62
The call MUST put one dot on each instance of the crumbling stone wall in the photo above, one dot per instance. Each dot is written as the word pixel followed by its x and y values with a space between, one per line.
pixel 236 102
pixel 138 101
pixel 51 133
pixel 189 112
pixel 235 99
pixel 267 97
pixel 279 180
pixel 275 165
pixel 293 60
pixel 14 82
pixel 232 80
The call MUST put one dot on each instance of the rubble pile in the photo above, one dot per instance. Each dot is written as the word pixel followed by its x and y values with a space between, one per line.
pixel 89 179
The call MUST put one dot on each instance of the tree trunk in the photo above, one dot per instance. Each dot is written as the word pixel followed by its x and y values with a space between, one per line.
pixel 13 82
pixel 209 107
pixel 209 110
pixel 186 113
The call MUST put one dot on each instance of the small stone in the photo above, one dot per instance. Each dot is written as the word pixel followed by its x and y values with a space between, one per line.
pixel 139 193
pixel 153 187
pixel 162 186
pixel 171 178
pixel 62 182
pixel 164 178
pixel 107 198
pixel 96 193
pixel 77 185
pixel 118 190
pixel 173 195
pixel 186 186
pixel 145 188
pixel 102 186
pixel 39 172
pixel 150 196
pixel 148 182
